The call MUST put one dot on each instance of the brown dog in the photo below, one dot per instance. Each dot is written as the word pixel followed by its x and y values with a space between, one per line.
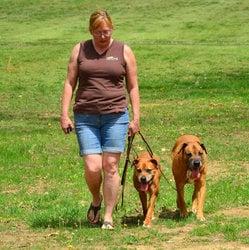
pixel 189 165
pixel 146 179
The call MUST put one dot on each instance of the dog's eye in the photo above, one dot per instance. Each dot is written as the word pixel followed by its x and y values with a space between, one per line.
pixel 189 154
pixel 139 170
pixel 148 171
pixel 200 153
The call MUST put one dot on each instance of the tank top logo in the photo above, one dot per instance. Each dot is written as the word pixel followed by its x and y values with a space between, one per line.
pixel 111 58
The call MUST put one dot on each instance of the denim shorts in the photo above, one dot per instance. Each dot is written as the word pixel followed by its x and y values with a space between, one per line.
pixel 101 133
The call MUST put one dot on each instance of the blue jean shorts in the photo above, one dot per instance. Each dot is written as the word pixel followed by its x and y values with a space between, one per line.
pixel 101 133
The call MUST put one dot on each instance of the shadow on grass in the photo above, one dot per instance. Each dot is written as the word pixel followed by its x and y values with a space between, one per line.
pixel 63 217
pixel 166 213
pixel 132 221
pixel 64 223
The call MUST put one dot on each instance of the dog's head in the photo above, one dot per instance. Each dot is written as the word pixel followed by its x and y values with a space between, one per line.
pixel 194 154
pixel 145 170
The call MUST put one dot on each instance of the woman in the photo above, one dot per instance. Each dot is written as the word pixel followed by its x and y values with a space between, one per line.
pixel 104 69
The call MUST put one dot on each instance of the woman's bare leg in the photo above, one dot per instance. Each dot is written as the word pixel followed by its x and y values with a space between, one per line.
pixel 111 183
pixel 93 176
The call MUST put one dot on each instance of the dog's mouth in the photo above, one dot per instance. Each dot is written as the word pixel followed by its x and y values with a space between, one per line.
pixel 195 174
pixel 144 183
pixel 144 187
pixel 194 169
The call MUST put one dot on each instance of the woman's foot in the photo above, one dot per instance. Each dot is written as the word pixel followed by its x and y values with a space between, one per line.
pixel 107 225
pixel 93 213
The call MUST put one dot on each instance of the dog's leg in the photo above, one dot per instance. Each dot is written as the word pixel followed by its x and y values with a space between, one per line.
pixel 200 189
pixel 150 212
pixel 180 200
pixel 194 201
pixel 143 199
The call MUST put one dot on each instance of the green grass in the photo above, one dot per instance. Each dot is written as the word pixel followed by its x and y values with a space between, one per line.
pixel 193 64
pixel 232 229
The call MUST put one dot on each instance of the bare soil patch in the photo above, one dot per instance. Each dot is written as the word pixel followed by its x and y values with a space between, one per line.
pixel 236 212
pixel 18 235
pixel 216 170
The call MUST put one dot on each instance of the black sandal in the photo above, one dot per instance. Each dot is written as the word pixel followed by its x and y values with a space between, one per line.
pixel 96 214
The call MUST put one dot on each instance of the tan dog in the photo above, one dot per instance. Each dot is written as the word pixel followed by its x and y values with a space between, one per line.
pixel 146 177
pixel 189 166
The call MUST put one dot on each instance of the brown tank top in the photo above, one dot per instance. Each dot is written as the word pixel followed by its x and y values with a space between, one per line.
pixel 101 88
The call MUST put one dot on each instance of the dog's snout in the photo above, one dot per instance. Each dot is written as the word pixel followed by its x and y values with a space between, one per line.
pixel 143 179
pixel 197 163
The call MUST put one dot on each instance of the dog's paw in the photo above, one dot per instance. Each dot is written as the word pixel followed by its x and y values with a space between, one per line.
pixel 147 225
pixel 201 218
pixel 183 214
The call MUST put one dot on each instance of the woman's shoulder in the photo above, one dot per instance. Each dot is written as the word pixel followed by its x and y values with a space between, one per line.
pixel 82 44
pixel 127 49
pixel 128 53
pixel 124 45
pixel 118 43
pixel 76 49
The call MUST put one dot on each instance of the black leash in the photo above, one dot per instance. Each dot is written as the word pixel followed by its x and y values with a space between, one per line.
pixel 151 155
pixel 147 145
pixel 164 176
pixel 127 161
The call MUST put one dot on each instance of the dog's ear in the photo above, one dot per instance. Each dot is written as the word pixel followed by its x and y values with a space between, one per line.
pixel 203 147
pixel 154 161
pixel 135 162
pixel 184 145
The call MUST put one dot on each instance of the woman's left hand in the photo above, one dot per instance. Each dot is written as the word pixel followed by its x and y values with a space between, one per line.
pixel 133 128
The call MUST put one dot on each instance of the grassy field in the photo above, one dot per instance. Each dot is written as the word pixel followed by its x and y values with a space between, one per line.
pixel 193 63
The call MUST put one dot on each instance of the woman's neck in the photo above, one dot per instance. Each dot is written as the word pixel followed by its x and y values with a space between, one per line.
pixel 102 47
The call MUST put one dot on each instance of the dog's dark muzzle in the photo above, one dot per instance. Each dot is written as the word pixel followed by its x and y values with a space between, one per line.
pixel 143 180
pixel 195 164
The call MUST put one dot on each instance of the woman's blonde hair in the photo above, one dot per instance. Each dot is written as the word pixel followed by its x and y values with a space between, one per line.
pixel 97 17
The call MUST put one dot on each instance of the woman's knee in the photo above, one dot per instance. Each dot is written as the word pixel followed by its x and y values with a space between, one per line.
pixel 110 168
pixel 110 164
pixel 93 164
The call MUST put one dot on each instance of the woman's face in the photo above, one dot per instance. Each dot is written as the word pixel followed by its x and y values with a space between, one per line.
pixel 102 35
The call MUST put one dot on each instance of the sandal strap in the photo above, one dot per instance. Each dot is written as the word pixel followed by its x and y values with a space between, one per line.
pixel 95 210
pixel 107 225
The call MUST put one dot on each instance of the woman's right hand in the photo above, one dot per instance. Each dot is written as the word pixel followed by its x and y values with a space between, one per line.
pixel 69 86
pixel 66 124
